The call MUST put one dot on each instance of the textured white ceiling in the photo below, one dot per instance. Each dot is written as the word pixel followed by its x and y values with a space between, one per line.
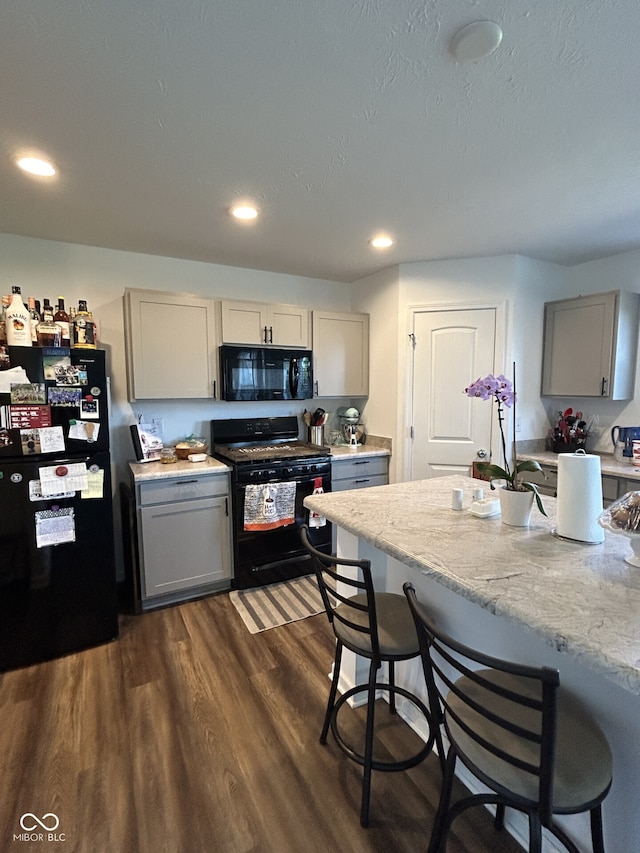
pixel 341 118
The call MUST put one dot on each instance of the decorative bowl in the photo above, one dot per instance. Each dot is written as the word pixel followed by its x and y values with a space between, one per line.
pixel 185 448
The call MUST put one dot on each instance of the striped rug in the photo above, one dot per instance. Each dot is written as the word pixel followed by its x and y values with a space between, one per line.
pixel 277 604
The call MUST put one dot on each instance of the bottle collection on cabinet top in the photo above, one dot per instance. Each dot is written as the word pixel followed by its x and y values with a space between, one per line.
pixel 27 325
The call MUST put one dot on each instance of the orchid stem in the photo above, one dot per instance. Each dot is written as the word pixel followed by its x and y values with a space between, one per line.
pixel 513 444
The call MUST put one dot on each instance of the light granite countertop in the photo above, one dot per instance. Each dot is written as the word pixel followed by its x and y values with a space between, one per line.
pixel 583 600
pixel 609 465
pixel 143 472
pixel 342 452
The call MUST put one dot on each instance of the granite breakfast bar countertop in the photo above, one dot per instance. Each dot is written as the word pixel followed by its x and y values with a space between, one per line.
pixel 517 593
pixel 583 600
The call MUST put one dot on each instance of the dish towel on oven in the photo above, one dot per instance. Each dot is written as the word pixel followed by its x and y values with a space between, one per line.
pixel 269 505
pixel 315 519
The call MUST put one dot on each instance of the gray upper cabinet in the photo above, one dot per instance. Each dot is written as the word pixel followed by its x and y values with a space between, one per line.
pixel 171 346
pixel 259 324
pixel 590 346
pixel 340 354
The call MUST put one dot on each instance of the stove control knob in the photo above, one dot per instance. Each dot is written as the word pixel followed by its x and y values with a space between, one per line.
pixel 288 472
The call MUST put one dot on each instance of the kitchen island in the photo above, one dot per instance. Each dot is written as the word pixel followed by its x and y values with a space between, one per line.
pixel 519 593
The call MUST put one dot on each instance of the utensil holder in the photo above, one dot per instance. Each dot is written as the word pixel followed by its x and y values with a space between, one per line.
pixel 569 447
pixel 316 435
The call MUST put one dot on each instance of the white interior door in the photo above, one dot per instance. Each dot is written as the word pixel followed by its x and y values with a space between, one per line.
pixel 452 348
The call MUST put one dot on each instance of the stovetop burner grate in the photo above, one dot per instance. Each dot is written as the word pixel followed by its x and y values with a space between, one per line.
pixel 257 440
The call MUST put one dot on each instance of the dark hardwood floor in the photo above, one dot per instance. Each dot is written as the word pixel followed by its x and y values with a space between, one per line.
pixel 190 735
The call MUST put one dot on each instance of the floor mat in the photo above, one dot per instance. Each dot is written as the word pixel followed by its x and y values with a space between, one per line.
pixel 277 604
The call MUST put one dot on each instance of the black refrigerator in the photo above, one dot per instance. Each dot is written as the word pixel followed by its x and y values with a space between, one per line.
pixel 57 569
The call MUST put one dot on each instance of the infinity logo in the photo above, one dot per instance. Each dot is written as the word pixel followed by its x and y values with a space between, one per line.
pixel 38 821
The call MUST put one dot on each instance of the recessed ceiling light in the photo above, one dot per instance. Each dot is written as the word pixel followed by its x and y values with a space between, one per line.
pixel 475 41
pixel 382 242
pixel 36 166
pixel 245 212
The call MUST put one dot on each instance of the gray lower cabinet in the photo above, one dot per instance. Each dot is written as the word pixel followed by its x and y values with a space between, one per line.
pixel 359 472
pixel 184 538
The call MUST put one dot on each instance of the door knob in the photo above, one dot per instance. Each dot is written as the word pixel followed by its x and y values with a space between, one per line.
pixel 482 453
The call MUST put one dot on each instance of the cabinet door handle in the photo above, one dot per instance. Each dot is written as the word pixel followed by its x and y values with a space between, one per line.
pixel 316 392
pixel 270 334
pixel 215 389
pixel 603 388
pixel 264 335
pixel 361 462
pixel 365 480
pixel 226 507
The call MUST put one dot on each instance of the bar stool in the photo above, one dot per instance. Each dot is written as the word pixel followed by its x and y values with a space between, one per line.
pixel 379 627
pixel 518 732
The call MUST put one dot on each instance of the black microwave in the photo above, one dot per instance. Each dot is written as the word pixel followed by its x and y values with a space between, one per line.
pixel 262 373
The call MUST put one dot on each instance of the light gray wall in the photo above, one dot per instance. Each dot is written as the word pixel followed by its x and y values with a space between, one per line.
pixel 44 268
pixel 524 285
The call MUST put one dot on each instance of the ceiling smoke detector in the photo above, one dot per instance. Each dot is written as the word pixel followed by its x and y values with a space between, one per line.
pixel 475 41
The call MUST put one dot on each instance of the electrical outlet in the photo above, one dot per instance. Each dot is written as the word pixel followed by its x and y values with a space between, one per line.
pixel 159 424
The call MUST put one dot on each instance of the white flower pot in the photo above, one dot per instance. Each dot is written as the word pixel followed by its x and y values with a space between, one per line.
pixel 515 507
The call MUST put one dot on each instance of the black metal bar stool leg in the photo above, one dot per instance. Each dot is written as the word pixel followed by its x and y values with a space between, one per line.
pixel 368 745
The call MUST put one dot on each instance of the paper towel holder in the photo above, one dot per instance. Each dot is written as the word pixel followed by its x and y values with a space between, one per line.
pixel 554 532
pixel 572 470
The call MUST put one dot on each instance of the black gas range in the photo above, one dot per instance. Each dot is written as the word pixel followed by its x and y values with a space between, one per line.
pixel 272 471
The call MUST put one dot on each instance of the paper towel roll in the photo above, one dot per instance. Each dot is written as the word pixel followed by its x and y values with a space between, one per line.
pixel 579 497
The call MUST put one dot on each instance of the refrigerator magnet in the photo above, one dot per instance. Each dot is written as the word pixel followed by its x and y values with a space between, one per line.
pixel 89 408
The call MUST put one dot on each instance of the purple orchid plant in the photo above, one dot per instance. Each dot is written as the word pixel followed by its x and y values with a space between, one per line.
pixel 501 389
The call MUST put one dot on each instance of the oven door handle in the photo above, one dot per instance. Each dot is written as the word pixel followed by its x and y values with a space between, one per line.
pixel 294 373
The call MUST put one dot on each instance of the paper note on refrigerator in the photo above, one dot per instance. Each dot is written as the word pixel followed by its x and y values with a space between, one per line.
pixel 83 430
pixel 13 376
pixel 51 439
pixel 55 526
pixel 96 485
pixel 63 478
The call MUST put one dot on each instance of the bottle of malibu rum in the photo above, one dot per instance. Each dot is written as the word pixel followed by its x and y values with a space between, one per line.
pixel 83 328
pixel 17 321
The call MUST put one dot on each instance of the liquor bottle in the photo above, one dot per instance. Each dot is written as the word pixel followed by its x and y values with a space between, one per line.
pixel 49 333
pixel 17 321
pixel 3 331
pixel 61 318
pixel 47 312
pixel 34 314
pixel 83 328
